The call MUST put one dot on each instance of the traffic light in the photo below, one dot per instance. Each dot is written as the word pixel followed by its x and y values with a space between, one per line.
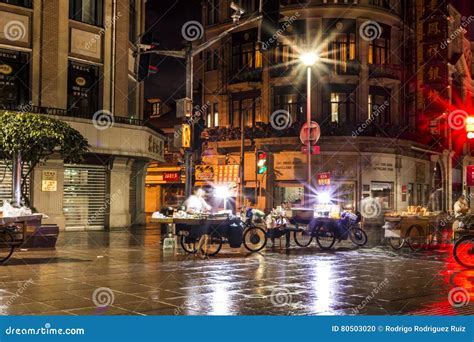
pixel 261 162
pixel 470 128
pixel 269 24
pixel 144 67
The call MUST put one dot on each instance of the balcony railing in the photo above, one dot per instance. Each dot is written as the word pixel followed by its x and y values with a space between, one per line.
pixel 264 130
pixel 72 113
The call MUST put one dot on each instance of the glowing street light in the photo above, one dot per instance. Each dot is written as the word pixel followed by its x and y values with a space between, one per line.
pixel 309 58
pixel 222 191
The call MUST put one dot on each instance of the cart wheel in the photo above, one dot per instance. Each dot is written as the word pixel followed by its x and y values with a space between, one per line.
pixel 303 238
pixel 358 236
pixel 255 239
pixel 395 242
pixel 189 245
pixel 464 251
pixel 211 245
pixel 415 238
pixel 6 246
pixel 325 238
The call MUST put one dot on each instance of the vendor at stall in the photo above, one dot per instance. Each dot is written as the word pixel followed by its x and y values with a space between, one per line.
pixel 461 207
pixel 196 204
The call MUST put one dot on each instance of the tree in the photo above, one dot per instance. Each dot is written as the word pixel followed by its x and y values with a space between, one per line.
pixel 35 138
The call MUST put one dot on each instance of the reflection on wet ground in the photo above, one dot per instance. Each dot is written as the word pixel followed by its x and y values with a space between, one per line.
pixel 127 273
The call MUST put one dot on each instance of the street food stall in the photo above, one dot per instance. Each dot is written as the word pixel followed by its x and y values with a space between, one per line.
pixel 416 227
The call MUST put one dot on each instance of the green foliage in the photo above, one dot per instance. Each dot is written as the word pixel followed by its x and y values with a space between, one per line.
pixel 37 137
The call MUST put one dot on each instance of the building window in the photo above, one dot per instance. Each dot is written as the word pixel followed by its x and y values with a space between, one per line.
pixel 247 106
pixel 87 11
pixel 22 3
pixel 381 3
pixel 249 6
pixel 132 21
pixel 411 196
pixel 379 49
pixel 379 105
pixel 83 89
pixel 339 104
pixel 291 100
pixel 14 79
pixel 246 54
pixel 156 109
pixel 383 194
pixel 212 12
pixel 286 51
pixel 212 60
pixel 132 97
pixel 215 109
pixel 342 50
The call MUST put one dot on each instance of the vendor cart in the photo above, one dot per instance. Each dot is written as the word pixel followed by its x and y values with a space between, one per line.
pixel 14 232
pixel 217 229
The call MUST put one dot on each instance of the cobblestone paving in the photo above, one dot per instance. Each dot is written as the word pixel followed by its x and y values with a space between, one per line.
pixel 126 273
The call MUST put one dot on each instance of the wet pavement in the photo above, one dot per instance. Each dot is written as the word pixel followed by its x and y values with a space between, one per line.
pixel 127 273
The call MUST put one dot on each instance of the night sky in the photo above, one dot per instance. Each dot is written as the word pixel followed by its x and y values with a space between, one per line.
pixel 166 17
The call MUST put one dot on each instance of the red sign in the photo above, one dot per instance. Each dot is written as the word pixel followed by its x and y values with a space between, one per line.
pixel 314 133
pixel 314 149
pixel 404 189
pixel 171 176
pixel 324 178
pixel 470 175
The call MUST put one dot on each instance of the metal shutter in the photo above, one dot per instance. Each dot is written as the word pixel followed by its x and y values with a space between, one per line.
pixel 6 183
pixel 84 197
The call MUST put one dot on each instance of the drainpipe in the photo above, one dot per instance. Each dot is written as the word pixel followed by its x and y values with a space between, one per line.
pixel 112 60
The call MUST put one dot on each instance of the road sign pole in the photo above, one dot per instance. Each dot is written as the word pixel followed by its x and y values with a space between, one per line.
pixel 308 123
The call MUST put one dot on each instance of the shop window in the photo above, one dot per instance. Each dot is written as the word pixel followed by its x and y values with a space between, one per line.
pixel 379 49
pixel 289 195
pixel 22 3
pixel 383 194
pixel 132 20
pixel 246 54
pixel 83 89
pixel 212 12
pixel 86 11
pixel 14 79
pixel 345 195
pixel 245 104
pixel 339 104
pixel 292 100
pixel 379 105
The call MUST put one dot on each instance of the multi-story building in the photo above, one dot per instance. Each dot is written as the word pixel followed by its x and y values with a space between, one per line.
pixel 73 60
pixel 367 97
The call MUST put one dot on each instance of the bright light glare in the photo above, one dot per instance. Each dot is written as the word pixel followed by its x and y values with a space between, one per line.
pixel 222 191
pixel 324 197
pixel 470 120
pixel 309 58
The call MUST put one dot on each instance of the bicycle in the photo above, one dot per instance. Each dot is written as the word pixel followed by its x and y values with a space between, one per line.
pixel 463 250
pixel 326 231
pixel 8 243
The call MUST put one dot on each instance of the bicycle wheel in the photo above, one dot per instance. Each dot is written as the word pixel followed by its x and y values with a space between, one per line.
pixel 395 242
pixel 189 245
pixel 324 238
pixel 255 239
pixel 463 251
pixel 358 236
pixel 211 245
pixel 303 238
pixel 6 246
pixel 416 238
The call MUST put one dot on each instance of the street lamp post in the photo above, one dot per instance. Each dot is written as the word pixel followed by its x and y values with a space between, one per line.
pixel 308 59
